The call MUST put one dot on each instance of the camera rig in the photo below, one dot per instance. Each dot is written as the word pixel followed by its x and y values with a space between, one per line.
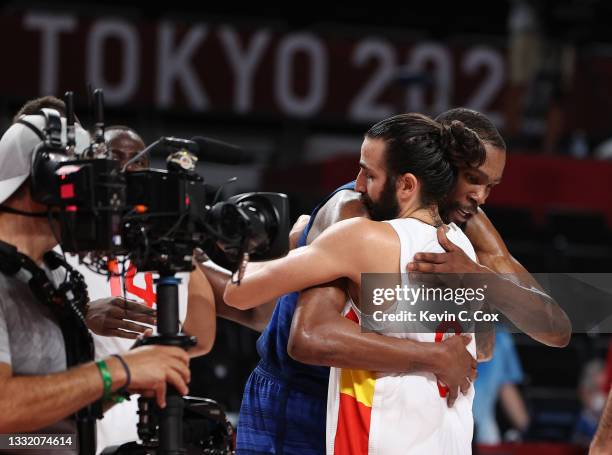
pixel 155 219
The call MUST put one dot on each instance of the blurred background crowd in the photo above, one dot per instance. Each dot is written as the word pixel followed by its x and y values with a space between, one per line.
pixel 296 87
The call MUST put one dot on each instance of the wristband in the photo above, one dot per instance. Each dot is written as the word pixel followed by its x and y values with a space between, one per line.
pixel 127 370
pixel 116 398
pixel 107 381
pixel 122 394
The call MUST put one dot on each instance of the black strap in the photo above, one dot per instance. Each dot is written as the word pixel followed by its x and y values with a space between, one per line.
pixel 9 261
pixel 4 208
pixel 32 127
pixel 53 126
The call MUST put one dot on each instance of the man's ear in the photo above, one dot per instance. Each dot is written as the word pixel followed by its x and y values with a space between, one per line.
pixel 406 185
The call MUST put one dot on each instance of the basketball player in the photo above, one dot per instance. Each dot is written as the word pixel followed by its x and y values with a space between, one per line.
pixel 369 412
pixel 314 332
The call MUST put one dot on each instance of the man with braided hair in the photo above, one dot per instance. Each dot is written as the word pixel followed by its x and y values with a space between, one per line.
pixel 408 161
pixel 308 331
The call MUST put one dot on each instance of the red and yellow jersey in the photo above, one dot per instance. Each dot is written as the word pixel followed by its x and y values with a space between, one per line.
pixel 371 413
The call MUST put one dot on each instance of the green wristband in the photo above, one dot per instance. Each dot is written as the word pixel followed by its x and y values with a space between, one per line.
pixel 106 379
pixel 116 398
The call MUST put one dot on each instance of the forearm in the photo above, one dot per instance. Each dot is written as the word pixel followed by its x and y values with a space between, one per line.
pixel 514 291
pixel 602 442
pixel 29 403
pixel 258 286
pixel 531 311
pixel 332 255
pixel 254 318
pixel 340 342
pixel 320 335
pixel 201 318
pixel 514 406
pixel 485 341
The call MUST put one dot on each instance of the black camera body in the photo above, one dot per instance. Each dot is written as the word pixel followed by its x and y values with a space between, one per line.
pixel 90 196
pixel 170 208
pixel 156 217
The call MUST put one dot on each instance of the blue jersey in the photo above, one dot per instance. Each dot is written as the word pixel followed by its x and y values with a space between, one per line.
pixel 284 404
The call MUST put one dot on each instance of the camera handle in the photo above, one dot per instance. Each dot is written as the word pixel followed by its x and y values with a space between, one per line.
pixel 171 417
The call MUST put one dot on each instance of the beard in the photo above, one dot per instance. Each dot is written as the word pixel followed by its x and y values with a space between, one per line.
pixel 387 207
pixel 448 210
pixel 445 209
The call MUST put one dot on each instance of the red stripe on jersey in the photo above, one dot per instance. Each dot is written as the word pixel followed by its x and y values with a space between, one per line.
pixel 351 315
pixel 353 428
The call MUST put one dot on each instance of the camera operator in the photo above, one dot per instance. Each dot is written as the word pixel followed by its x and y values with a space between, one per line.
pixel 116 319
pixel 37 391
pixel 123 307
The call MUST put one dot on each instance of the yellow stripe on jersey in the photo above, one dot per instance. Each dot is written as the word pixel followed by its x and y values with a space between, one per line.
pixel 358 384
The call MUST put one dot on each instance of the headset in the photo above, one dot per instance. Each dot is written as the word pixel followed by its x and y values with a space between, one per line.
pixel 46 155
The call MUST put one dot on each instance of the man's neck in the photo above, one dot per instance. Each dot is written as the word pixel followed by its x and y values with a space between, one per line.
pixel 427 215
pixel 31 236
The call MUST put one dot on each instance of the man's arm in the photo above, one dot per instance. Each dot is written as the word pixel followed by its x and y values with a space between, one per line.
pixel 115 316
pixel 510 287
pixel 200 320
pixel 29 403
pixel 346 249
pixel 602 442
pixel 255 318
pixel 320 335
pixel 517 294
pixel 54 396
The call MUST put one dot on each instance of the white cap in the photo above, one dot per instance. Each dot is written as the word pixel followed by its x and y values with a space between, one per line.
pixel 16 151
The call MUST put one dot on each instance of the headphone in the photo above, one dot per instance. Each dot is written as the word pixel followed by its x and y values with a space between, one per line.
pixel 47 155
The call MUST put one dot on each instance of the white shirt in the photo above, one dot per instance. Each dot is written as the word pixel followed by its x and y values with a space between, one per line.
pixel 119 423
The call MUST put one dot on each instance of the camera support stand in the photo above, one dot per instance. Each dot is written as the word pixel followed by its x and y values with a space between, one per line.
pixel 171 417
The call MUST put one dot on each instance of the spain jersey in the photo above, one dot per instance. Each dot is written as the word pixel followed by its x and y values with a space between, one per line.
pixel 381 413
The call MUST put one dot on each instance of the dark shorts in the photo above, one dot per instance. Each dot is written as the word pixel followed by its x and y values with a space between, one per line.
pixel 275 418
